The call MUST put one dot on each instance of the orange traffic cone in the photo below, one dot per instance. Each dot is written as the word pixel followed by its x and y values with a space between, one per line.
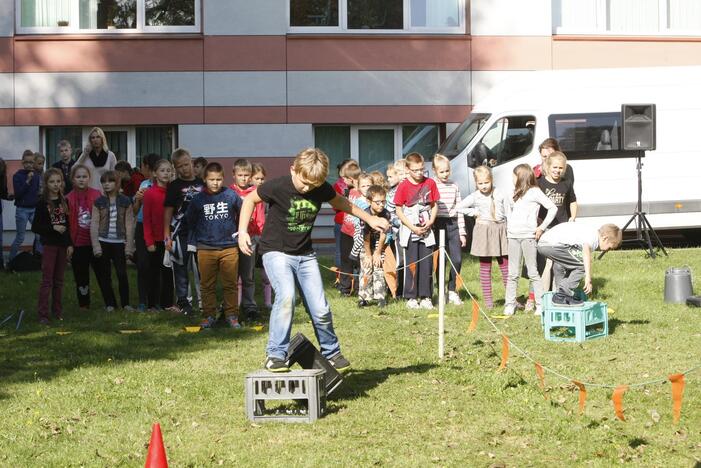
pixel 156 457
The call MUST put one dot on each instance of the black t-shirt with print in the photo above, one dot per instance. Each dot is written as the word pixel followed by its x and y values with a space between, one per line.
pixel 178 196
pixel 291 215
pixel 562 194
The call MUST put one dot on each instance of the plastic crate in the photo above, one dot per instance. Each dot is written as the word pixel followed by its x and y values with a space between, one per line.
pixel 302 392
pixel 574 323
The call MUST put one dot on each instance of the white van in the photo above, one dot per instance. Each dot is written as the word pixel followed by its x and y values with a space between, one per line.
pixel 582 110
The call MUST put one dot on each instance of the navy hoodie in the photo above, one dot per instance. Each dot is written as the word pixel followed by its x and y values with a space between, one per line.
pixel 213 219
pixel 26 194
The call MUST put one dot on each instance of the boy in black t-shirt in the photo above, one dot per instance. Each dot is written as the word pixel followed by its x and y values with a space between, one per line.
pixel 286 246
pixel 178 196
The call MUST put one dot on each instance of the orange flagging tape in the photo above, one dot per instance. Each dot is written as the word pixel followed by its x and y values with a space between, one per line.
pixel 677 394
pixel 617 399
pixel 475 315
pixel 435 260
pixel 459 283
pixel 541 376
pixel 504 351
pixel 412 269
pixel 582 395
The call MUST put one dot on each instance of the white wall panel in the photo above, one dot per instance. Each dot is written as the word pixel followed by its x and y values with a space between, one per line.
pixel 108 89
pixel 246 139
pixel 484 81
pixel 6 90
pixel 245 17
pixel 14 140
pixel 244 89
pixel 511 18
pixel 379 88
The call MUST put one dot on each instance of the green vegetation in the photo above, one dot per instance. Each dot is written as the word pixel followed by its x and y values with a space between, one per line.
pixel 89 398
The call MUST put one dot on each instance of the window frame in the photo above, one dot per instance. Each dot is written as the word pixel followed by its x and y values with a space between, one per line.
pixel 602 20
pixel 74 24
pixel 342 27
pixel 504 136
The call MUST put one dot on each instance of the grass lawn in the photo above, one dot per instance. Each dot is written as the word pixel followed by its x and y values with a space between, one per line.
pixel 89 398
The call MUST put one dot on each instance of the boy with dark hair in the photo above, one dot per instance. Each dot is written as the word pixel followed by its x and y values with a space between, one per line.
pixel 178 195
pixel 286 245
pixel 199 164
pixel 212 217
pixel 65 164
pixel 26 183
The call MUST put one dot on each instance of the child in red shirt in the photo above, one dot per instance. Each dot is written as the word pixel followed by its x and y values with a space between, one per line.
pixel 416 199
pixel 160 289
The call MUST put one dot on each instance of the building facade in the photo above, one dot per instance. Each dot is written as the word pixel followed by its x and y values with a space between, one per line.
pixel 368 79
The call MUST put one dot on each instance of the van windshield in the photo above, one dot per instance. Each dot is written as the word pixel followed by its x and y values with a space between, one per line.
pixel 461 136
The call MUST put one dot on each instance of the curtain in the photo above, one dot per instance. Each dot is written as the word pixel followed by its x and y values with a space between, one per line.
pixel 158 140
pixel 435 13
pixel 88 14
pixel 576 15
pixel 633 16
pixel 45 13
pixel 684 15
pixel 335 142
pixel 375 149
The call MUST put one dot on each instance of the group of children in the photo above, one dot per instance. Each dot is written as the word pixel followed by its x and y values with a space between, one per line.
pixel 141 216
pixel 508 227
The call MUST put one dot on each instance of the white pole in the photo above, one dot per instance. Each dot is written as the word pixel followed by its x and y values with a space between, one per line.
pixel 441 294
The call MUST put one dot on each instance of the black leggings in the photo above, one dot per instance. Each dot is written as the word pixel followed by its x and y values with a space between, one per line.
pixel 82 260
pixel 143 264
pixel 160 280
pixel 113 254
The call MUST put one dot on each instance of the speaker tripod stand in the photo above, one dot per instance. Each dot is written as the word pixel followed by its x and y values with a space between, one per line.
pixel 644 232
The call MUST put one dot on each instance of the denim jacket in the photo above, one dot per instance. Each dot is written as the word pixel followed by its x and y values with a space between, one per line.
pixel 100 223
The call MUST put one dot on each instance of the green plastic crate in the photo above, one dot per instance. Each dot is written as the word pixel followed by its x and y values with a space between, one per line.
pixel 574 323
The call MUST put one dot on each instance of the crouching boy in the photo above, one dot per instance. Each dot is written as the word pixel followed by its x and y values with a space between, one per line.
pixel 212 218
pixel 570 246
pixel 286 246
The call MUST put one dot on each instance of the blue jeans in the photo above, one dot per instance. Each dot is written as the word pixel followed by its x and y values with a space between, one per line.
pixel 282 270
pixel 182 278
pixel 22 216
pixel 337 237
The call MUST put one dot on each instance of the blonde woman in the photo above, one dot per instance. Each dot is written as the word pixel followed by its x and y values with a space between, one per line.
pixel 97 157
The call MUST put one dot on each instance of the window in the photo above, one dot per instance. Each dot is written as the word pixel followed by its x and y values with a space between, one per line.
pixel 111 16
pixel 507 139
pixel 427 16
pixel 647 17
pixel 127 143
pixel 375 146
pixel 587 136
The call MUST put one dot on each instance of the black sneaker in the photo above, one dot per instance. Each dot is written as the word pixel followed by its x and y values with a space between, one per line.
pixel 273 364
pixel 187 310
pixel 339 362
pixel 362 303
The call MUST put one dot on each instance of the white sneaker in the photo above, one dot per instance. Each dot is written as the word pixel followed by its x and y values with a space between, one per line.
pixel 538 311
pixel 508 311
pixel 426 303
pixel 412 304
pixel 453 298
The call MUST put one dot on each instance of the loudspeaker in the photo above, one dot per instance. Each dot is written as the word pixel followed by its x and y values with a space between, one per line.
pixel 303 352
pixel 639 129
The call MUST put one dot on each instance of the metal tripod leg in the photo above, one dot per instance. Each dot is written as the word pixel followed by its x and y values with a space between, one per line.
pixel 654 234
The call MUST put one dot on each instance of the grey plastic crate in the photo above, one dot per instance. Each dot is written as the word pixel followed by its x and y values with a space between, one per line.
pixel 305 387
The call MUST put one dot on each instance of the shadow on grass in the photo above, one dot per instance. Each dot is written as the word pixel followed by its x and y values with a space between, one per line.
pixel 356 384
pixel 598 287
pixel 614 322
pixel 36 352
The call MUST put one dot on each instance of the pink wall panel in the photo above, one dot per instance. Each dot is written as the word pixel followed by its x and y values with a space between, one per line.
pixel 377 114
pixel 244 53
pixel 109 116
